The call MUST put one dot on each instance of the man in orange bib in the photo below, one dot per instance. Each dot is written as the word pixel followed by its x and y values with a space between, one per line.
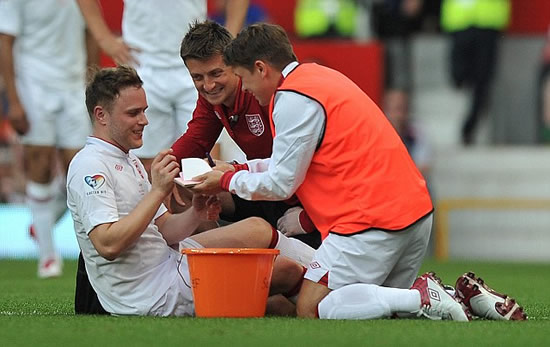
pixel 339 154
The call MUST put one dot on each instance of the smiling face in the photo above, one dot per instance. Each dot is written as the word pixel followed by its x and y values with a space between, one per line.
pixel 261 82
pixel 123 124
pixel 214 80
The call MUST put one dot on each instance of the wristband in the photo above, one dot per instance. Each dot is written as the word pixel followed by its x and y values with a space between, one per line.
pixel 226 179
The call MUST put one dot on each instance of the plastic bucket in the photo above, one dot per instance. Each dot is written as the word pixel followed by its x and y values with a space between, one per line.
pixel 230 282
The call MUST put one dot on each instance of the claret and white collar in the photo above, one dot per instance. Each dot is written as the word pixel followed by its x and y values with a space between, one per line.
pixel 289 68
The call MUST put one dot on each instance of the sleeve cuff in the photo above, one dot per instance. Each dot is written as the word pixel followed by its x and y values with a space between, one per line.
pixel 226 180
pixel 240 167
pixel 306 222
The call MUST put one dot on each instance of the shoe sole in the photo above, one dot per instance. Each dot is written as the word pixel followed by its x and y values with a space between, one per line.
pixel 468 286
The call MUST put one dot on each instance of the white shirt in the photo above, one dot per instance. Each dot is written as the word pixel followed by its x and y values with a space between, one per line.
pixel 104 184
pixel 50 42
pixel 156 28
pixel 299 123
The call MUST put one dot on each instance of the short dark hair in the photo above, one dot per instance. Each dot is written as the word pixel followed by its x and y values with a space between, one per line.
pixel 204 40
pixel 104 86
pixel 261 41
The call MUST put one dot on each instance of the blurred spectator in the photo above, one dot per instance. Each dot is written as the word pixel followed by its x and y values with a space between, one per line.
pixel 325 18
pixel 12 179
pixel 394 21
pixel 396 108
pixel 429 21
pixel 544 94
pixel 6 155
pixel 255 13
pixel 43 62
pixel 475 27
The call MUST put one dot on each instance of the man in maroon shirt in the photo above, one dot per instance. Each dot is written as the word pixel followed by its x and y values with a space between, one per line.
pixel 223 104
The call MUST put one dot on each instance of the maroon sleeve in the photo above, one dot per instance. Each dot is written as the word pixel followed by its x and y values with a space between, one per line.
pixel 202 132
pixel 240 167
pixel 306 222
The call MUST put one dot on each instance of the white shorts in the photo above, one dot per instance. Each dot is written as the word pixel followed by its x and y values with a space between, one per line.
pixel 172 98
pixel 390 259
pixel 57 117
pixel 178 299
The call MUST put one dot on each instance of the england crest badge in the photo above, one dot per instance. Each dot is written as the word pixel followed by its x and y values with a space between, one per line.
pixel 255 124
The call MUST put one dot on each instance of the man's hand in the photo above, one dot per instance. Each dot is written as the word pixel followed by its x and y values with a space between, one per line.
pixel 178 201
pixel 18 118
pixel 208 207
pixel 223 166
pixel 289 223
pixel 210 183
pixel 117 49
pixel 163 171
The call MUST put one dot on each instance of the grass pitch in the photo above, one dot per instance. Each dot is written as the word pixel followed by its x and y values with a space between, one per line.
pixel 40 312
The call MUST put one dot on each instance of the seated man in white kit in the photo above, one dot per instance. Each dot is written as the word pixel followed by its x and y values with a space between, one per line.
pixel 128 239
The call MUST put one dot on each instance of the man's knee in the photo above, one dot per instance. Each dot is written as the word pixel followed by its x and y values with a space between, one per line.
pixel 257 224
pixel 287 277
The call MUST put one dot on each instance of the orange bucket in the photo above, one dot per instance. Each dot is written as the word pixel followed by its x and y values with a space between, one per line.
pixel 230 282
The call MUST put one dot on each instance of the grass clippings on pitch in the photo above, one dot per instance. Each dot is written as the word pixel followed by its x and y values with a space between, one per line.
pixel 40 312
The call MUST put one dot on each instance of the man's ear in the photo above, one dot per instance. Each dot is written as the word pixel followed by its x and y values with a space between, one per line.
pixel 261 67
pixel 100 115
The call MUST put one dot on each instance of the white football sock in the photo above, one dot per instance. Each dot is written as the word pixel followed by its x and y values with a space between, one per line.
pixel 40 199
pixel 294 249
pixel 367 301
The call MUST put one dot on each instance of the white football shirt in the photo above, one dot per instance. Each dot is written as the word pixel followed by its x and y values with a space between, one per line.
pixel 104 184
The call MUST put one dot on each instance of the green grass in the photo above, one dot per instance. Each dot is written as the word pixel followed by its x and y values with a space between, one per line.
pixel 40 312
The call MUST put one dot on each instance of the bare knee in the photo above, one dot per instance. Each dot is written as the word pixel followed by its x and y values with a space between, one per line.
pixel 257 224
pixel 287 277
pixel 251 232
pixel 261 229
